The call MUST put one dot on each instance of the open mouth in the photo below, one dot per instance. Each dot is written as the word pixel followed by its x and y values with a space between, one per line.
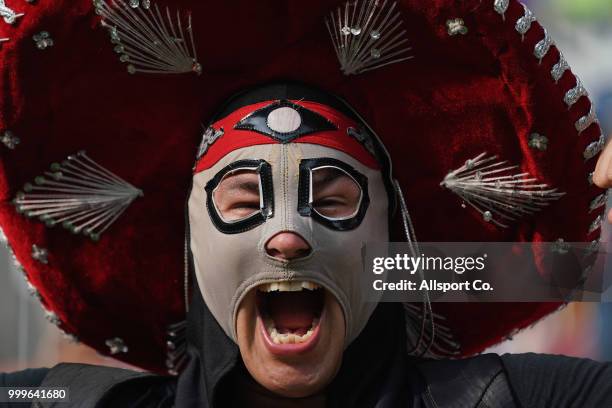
pixel 290 312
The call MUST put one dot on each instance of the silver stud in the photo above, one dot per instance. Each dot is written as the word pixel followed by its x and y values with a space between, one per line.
pixel 52 318
pixel 9 139
pixel 559 68
pixel 593 247
pixel 501 6
pixel 560 247
pixel 456 26
pixel 9 16
pixel 16 264
pixel 78 194
pixel 584 122
pixel 71 338
pixel 590 178
pixel 524 23
pixel 594 148
pixel 153 42
pixel 356 27
pixel 596 224
pixel 541 48
pixel 43 40
pixel 573 95
pixel 116 345
pixel 32 291
pixel 40 254
pixel 538 141
pixel 598 201
pixel 492 188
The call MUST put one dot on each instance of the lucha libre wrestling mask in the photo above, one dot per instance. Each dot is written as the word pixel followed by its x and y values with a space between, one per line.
pixel 306 168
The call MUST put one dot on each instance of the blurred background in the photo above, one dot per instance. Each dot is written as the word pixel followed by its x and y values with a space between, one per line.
pixel 582 30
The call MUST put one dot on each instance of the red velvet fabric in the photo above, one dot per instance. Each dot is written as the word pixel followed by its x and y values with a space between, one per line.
pixel 234 139
pixel 460 95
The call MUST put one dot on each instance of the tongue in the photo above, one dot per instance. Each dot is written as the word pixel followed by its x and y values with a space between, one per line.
pixel 293 311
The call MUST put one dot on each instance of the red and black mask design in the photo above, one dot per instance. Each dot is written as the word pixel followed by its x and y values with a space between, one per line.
pixel 294 152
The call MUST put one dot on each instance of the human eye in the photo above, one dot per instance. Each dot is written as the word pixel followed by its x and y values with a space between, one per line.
pixel 238 195
pixel 335 194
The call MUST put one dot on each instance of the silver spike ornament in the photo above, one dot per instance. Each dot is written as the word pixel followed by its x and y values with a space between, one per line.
pixel 497 190
pixel 78 194
pixel 150 40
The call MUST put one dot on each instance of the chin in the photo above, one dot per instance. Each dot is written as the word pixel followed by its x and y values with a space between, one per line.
pixel 291 336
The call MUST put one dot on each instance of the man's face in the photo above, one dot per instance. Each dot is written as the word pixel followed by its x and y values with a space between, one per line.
pixel 291 337
pixel 277 231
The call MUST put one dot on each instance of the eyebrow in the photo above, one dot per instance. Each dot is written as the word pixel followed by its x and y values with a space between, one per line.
pixel 247 186
pixel 328 176
pixel 241 182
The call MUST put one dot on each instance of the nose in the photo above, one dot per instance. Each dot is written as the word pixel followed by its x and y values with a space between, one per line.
pixel 287 246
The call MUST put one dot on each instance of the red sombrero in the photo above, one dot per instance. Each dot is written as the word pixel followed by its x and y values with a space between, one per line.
pixel 484 77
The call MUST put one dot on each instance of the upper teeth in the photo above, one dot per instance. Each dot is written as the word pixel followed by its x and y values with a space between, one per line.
pixel 292 286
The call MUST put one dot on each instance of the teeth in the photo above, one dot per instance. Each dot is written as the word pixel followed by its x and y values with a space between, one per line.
pixel 292 286
pixel 309 285
pixel 290 338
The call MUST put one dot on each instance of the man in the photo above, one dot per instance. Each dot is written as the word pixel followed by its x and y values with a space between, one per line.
pixel 289 182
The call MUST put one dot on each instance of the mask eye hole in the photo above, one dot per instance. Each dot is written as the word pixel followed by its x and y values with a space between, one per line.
pixel 334 193
pixel 238 195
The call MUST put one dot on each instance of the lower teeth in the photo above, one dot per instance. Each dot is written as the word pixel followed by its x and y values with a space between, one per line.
pixel 290 338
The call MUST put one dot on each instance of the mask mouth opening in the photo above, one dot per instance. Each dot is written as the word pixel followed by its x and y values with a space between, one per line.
pixel 290 310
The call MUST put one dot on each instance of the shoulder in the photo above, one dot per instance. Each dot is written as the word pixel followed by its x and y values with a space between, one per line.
pixel 466 382
pixel 560 381
pixel 526 380
pixel 548 362
pixel 97 386
pixel 31 377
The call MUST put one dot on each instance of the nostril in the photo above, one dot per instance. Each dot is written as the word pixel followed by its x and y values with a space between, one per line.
pixel 287 246
pixel 273 252
pixel 303 252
